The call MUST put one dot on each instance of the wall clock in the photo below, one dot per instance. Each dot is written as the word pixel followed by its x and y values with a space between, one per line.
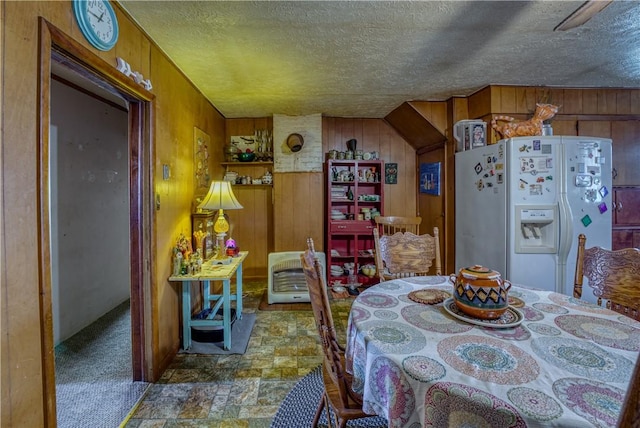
pixel 97 21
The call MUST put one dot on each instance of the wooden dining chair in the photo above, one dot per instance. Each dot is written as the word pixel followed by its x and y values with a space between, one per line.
pixel 392 224
pixel 614 277
pixel 338 395
pixel 630 412
pixel 406 254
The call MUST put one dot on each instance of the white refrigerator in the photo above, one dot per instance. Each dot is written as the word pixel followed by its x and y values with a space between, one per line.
pixel 522 202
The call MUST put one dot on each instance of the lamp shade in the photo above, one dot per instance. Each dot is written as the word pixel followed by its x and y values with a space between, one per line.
pixel 220 196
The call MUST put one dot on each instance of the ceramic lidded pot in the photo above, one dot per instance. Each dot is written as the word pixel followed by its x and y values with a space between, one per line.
pixel 480 292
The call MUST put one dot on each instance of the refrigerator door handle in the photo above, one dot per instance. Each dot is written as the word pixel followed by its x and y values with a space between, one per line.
pixel 566 236
pixel 565 227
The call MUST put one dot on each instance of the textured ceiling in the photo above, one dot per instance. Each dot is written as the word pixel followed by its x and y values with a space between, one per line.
pixel 365 58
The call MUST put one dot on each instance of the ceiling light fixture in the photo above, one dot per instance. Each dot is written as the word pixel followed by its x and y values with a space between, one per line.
pixel 582 14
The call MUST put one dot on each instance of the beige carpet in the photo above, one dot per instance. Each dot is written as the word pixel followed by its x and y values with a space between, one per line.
pixel 94 386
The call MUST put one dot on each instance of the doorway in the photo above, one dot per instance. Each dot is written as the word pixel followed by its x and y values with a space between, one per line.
pixel 89 207
pixel 59 50
pixel 90 281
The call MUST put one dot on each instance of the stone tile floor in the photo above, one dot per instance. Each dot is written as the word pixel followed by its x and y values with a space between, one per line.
pixel 220 391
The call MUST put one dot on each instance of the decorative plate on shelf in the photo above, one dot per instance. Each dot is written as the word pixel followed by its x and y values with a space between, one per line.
pixel 510 318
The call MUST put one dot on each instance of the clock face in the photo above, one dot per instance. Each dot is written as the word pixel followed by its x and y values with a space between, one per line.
pixel 98 22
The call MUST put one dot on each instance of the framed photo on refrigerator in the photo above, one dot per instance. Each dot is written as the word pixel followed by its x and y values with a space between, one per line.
pixel 430 178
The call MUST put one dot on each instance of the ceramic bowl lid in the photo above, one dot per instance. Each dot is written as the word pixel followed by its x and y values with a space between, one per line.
pixel 479 272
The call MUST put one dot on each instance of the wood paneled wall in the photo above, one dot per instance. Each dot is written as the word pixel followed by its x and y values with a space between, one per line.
pixel 377 135
pixel 574 104
pixel 177 109
pixel 522 99
pixel 296 210
pixel 252 226
pixel 432 208
pixel 298 199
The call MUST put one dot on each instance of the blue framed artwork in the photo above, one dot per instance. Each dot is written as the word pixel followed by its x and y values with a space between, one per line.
pixel 430 178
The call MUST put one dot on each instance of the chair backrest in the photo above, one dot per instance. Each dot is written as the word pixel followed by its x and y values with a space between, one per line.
pixel 614 277
pixel 630 412
pixel 406 254
pixel 392 224
pixel 333 352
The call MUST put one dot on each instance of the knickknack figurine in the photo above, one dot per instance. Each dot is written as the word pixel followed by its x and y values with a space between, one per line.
pixel 182 256
pixel 532 127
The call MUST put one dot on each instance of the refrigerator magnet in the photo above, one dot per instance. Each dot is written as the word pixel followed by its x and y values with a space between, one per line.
pixel 478 168
pixel 604 191
pixel 535 190
pixel 602 207
pixel 586 220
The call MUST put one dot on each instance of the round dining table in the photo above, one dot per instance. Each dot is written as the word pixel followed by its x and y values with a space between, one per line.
pixel 550 360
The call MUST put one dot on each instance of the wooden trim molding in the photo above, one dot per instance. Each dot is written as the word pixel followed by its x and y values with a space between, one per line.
pixel 43 211
pixel 92 63
pixel 55 45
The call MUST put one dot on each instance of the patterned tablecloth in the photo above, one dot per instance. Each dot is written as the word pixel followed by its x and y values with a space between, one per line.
pixel 567 364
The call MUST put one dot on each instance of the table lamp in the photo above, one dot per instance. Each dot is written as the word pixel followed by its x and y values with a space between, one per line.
pixel 220 197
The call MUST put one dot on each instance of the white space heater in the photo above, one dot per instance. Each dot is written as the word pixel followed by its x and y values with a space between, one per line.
pixel 286 280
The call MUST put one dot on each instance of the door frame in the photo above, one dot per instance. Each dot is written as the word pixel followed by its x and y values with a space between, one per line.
pixel 55 45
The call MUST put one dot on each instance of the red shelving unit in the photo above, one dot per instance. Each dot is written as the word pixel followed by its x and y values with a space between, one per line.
pixel 353 186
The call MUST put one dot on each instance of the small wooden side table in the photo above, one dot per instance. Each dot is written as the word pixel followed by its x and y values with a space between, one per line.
pixel 212 272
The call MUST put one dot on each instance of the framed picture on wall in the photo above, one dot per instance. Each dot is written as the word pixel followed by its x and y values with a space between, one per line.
pixel 201 150
pixel 430 178
pixel 390 173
